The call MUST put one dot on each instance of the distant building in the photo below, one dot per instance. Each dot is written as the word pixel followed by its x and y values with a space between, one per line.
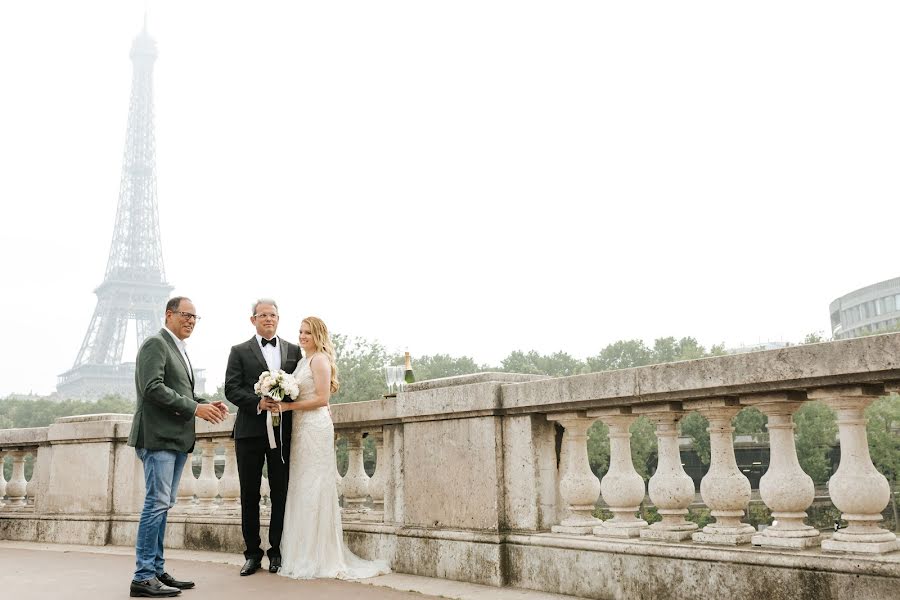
pixel 867 310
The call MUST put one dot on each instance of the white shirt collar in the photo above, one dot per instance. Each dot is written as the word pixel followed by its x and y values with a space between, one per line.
pixel 178 342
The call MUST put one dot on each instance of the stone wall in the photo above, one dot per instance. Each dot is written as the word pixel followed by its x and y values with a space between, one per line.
pixel 484 478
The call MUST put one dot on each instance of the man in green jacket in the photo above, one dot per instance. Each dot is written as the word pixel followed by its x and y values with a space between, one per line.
pixel 162 434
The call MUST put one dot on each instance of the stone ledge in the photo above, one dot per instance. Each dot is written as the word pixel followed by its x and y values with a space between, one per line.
pixel 22 437
pixel 887 565
pixel 874 359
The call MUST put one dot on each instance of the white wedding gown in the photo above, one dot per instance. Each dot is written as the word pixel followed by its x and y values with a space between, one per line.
pixel 312 542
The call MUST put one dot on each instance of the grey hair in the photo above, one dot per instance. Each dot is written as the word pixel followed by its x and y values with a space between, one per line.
pixel 175 302
pixel 263 301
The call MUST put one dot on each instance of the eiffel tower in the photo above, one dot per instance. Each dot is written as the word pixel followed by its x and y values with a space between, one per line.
pixel 135 286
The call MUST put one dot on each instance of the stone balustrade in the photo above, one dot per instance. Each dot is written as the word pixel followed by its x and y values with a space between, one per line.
pixel 485 478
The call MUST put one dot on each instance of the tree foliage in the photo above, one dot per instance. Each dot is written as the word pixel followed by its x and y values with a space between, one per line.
pixel 442 365
pixel 558 364
pixel 360 365
pixel 816 433
pixel 15 413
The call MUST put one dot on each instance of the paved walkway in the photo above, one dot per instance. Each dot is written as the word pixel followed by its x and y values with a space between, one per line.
pixel 54 571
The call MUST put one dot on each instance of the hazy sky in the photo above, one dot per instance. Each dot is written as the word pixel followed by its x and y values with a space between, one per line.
pixel 466 177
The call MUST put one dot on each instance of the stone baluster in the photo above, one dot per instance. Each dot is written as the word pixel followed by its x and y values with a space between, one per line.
pixel 579 488
pixel 229 484
pixel 16 488
pixel 31 486
pixel 187 487
pixel 2 477
pixel 337 474
pixel 376 483
pixel 356 481
pixel 207 483
pixel 857 489
pixel 725 490
pixel 671 489
pixel 622 487
pixel 785 488
pixel 265 506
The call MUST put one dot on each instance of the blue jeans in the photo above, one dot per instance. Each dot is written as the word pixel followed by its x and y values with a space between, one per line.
pixel 162 472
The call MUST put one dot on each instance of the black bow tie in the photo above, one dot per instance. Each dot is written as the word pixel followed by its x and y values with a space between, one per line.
pixel 272 341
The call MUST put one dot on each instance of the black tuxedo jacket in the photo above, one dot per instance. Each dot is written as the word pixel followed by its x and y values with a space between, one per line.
pixel 245 364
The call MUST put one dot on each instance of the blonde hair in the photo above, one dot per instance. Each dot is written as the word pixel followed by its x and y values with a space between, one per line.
pixel 323 344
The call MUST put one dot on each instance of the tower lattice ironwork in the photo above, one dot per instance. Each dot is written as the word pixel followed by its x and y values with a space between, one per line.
pixel 134 287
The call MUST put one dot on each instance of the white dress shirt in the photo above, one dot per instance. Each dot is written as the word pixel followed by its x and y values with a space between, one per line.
pixel 181 345
pixel 272 353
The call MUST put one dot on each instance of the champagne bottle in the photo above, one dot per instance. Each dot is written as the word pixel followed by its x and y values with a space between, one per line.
pixel 408 375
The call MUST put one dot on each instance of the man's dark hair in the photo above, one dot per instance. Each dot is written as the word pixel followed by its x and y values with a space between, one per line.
pixel 175 302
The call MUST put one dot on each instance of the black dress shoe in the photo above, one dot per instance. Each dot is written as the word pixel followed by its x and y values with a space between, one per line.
pixel 251 566
pixel 152 588
pixel 170 581
pixel 274 564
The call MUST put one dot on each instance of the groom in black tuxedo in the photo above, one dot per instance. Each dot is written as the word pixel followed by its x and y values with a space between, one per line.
pixel 263 352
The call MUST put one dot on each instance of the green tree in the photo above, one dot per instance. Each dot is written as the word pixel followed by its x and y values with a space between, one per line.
pixel 558 364
pixel 441 365
pixel 816 433
pixel 643 447
pixel 750 422
pixel 360 369
pixel 884 443
pixel 623 354
pixel 598 448
pixel 695 427
pixel 814 338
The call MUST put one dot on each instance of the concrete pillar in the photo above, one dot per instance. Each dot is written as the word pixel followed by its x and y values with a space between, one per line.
pixel 857 489
pixel 376 483
pixel 356 481
pixel 671 489
pixel 785 488
pixel 725 490
pixel 622 487
pixel 17 487
pixel 579 488
pixel 207 484
pixel 187 487
pixel 265 506
pixel 2 477
pixel 339 479
pixel 229 484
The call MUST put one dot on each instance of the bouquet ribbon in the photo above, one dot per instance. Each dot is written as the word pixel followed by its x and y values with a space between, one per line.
pixel 270 432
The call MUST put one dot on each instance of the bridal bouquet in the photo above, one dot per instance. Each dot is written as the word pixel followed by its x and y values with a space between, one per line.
pixel 277 385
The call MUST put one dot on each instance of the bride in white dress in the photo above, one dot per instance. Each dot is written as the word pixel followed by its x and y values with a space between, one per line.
pixel 312 544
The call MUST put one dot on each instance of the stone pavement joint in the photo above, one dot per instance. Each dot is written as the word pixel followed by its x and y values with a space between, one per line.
pixel 38 570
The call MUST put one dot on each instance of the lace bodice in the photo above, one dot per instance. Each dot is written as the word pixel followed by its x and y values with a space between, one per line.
pixel 321 415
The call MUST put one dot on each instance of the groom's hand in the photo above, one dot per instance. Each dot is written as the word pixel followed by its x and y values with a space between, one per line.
pixel 266 403
pixel 222 407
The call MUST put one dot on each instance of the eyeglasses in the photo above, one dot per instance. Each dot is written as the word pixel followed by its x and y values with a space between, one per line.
pixel 186 315
pixel 266 316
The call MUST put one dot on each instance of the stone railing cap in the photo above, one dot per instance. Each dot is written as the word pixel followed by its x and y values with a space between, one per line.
pixel 96 417
pixel 25 436
pixel 486 377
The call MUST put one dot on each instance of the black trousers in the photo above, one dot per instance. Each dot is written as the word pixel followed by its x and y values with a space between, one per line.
pixel 251 453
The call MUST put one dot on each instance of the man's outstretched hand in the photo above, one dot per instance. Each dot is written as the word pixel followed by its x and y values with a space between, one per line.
pixel 211 413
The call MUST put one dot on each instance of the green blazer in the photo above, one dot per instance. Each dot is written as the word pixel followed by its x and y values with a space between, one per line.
pixel 164 415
